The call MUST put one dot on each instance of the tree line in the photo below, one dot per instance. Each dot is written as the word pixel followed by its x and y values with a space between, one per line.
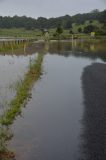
pixel 41 22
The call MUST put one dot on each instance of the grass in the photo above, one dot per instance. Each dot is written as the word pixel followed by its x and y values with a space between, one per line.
pixel 21 32
pixel 23 92
pixel 36 34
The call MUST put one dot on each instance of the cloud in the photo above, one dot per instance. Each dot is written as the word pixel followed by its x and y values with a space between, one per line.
pixel 103 1
pixel 48 8
pixel 2 0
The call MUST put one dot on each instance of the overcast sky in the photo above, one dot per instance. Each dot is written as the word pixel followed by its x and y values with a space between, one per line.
pixel 49 8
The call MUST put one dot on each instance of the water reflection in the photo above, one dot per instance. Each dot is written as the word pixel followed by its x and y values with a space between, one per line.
pixel 20 48
pixel 88 49
pixel 15 106
pixel 93 137
pixel 91 50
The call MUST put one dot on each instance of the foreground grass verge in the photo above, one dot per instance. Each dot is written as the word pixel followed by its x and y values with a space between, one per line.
pixel 22 92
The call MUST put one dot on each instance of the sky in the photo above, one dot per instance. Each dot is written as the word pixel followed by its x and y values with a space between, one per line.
pixel 48 8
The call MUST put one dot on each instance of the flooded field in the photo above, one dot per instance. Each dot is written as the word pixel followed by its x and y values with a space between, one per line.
pixel 64 116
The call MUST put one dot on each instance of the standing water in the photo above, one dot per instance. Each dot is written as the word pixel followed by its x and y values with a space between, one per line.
pixel 57 120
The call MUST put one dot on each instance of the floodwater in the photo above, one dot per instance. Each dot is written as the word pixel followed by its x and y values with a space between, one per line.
pixel 57 122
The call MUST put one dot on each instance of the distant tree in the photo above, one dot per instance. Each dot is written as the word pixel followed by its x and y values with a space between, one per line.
pixel 59 31
pixel 68 25
pixel 80 30
pixel 89 29
pixel 90 21
pixel 67 22
pixel 71 32
pixel 95 11
pixel 102 17
pixel 41 22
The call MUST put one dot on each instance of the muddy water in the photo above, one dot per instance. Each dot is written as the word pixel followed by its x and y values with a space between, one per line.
pixel 50 126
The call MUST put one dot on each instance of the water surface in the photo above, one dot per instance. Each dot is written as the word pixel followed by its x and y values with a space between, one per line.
pixel 50 126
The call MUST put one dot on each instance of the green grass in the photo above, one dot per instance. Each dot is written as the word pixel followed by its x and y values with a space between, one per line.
pixel 21 32
pixel 36 34
pixel 22 92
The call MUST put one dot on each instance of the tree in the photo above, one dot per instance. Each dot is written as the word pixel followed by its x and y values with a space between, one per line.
pixel 71 32
pixel 80 30
pixel 95 11
pixel 89 29
pixel 41 22
pixel 68 24
pixel 59 31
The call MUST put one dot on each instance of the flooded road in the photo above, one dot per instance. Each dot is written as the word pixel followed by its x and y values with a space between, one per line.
pixel 51 125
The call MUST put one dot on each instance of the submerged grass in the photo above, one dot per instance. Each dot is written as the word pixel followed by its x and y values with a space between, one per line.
pixel 23 92
pixel 12 45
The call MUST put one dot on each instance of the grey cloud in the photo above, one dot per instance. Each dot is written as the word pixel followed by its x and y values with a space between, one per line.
pixel 48 8
pixel 104 1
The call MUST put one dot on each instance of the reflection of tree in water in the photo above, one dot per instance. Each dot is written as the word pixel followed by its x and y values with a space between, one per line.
pixel 93 145
pixel 79 49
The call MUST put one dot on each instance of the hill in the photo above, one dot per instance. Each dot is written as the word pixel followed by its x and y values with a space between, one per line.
pixel 41 22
